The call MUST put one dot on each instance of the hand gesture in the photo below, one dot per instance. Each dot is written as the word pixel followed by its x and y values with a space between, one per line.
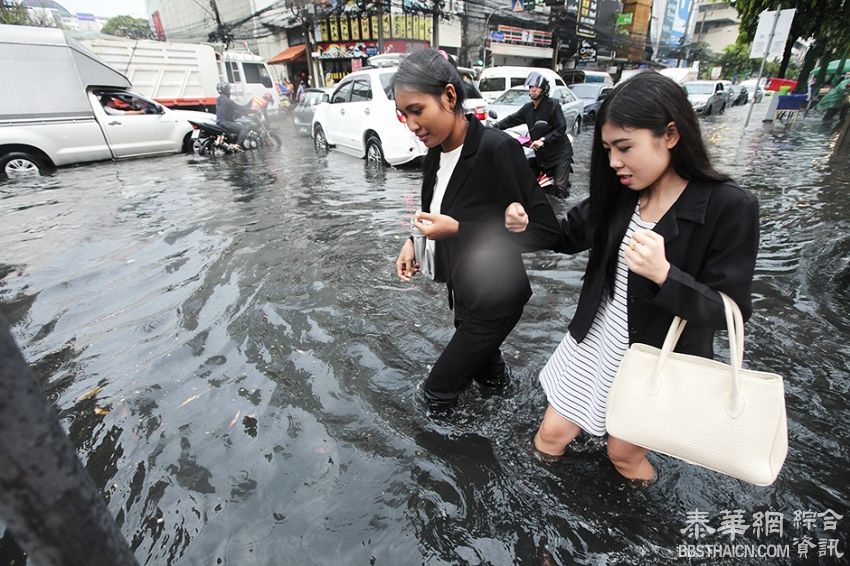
pixel 435 226
pixel 537 144
pixel 516 220
pixel 406 266
pixel 645 256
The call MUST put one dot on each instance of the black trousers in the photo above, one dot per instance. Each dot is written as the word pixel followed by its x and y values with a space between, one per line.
pixel 471 354
pixel 560 172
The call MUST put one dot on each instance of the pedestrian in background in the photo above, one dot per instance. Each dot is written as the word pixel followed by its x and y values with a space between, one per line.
pixel 553 151
pixel 666 232
pixel 470 174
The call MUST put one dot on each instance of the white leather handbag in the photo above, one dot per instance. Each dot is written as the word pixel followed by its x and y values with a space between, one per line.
pixel 708 413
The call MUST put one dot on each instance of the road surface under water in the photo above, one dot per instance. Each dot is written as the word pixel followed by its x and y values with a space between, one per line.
pixel 234 358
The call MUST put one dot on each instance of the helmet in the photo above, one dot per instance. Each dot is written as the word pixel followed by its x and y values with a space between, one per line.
pixel 538 80
pixel 268 96
pixel 223 88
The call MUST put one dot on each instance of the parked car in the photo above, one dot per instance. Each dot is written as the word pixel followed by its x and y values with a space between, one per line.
pixel 360 119
pixel 302 115
pixel 515 98
pixel 753 89
pixel 89 112
pixel 592 95
pixel 727 85
pixel 496 80
pixel 706 97
pixel 738 94
pixel 473 103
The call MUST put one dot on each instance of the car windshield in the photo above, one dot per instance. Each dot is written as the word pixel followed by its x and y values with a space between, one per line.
pixel 491 84
pixel 584 91
pixel 312 98
pixel 513 98
pixel 699 88
pixel 387 83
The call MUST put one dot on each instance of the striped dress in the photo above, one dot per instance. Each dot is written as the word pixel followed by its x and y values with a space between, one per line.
pixel 577 377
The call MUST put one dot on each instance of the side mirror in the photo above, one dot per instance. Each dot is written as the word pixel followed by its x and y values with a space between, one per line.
pixel 492 114
pixel 603 95
pixel 326 97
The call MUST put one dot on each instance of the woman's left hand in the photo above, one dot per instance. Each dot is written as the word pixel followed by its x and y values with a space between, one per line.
pixel 645 256
pixel 435 226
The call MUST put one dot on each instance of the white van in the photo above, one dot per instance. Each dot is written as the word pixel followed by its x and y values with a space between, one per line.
pixel 496 80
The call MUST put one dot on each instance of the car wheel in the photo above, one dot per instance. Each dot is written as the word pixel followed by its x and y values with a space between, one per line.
pixel 19 164
pixel 320 142
pixel 722 108
pixel 374 151
pixel 576 126
pixel 707 111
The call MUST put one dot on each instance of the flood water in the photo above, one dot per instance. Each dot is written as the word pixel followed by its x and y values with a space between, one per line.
pixel 258 362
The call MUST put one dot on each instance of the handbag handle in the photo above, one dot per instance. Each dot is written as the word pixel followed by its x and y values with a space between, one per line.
pixel 735 330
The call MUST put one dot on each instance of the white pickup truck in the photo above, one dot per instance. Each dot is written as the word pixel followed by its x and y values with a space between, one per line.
pixel 66 106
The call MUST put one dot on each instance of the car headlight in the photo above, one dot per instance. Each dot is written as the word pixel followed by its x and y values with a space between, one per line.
pixel 699 104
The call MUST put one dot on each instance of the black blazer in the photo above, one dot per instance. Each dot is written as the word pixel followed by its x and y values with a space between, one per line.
pixel 554 138
pixel 482 264
pixel 711 237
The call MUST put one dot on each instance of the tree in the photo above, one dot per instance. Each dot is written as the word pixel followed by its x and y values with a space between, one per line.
pixel 14 14
pixel 128 26
pixel 814 18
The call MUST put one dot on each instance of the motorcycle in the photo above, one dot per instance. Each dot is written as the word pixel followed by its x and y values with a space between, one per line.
pixel 540 126
pixel 212 139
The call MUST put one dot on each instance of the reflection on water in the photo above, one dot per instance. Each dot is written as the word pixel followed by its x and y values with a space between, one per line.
pixel 257 363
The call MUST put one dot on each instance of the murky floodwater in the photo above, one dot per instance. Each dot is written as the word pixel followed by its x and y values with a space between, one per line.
pixel 258 361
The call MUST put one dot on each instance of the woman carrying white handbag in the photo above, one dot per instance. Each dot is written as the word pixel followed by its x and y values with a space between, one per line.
pixel 666 233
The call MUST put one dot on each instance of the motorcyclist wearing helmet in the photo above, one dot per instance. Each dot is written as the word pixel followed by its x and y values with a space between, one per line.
pixel 553 150
pixel 227 111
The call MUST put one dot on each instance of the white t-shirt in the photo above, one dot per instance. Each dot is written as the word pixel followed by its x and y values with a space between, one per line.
pixel 448 162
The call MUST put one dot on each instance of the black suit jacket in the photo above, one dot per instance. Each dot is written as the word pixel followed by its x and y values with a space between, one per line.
pixel 555 140
pixel 711 237
pixel 482 263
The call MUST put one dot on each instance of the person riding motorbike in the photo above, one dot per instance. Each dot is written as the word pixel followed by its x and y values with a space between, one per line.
pixel 227 111
pixel 553 150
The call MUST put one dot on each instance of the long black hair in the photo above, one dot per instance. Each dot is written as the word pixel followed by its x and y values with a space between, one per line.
pixel 646 101
pixel 430 71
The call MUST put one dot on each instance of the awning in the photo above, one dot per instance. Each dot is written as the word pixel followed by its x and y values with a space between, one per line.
pixel 288 55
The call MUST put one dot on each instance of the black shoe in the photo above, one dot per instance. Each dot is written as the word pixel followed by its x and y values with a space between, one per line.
pixel 497 380
pixel 437 406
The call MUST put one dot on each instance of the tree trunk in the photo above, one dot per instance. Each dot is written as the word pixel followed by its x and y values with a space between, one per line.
pixel 786 56
pixel 47 499
pixel 808 64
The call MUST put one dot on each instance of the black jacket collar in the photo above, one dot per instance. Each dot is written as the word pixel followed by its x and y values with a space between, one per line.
pixel 471 143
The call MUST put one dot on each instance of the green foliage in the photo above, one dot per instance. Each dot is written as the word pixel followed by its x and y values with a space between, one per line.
pixel 14 14
pixel 128 26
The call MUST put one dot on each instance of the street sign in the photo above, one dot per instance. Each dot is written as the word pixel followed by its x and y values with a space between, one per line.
pixel 780 27
pixel 624 19
pixel 528 5
pixel 516 6
pixel 497 35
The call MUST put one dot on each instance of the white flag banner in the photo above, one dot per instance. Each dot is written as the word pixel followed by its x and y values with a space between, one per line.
pixel 780 33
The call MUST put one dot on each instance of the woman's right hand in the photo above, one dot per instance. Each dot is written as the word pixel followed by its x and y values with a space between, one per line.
pixel 516 220
pixel 406 266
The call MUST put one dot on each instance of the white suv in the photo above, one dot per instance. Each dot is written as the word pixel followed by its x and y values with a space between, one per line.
pixel 360 119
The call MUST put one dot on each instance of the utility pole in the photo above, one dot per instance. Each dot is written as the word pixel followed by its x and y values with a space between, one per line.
pixel 435 23
pixel 380 26
pixel 220 30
